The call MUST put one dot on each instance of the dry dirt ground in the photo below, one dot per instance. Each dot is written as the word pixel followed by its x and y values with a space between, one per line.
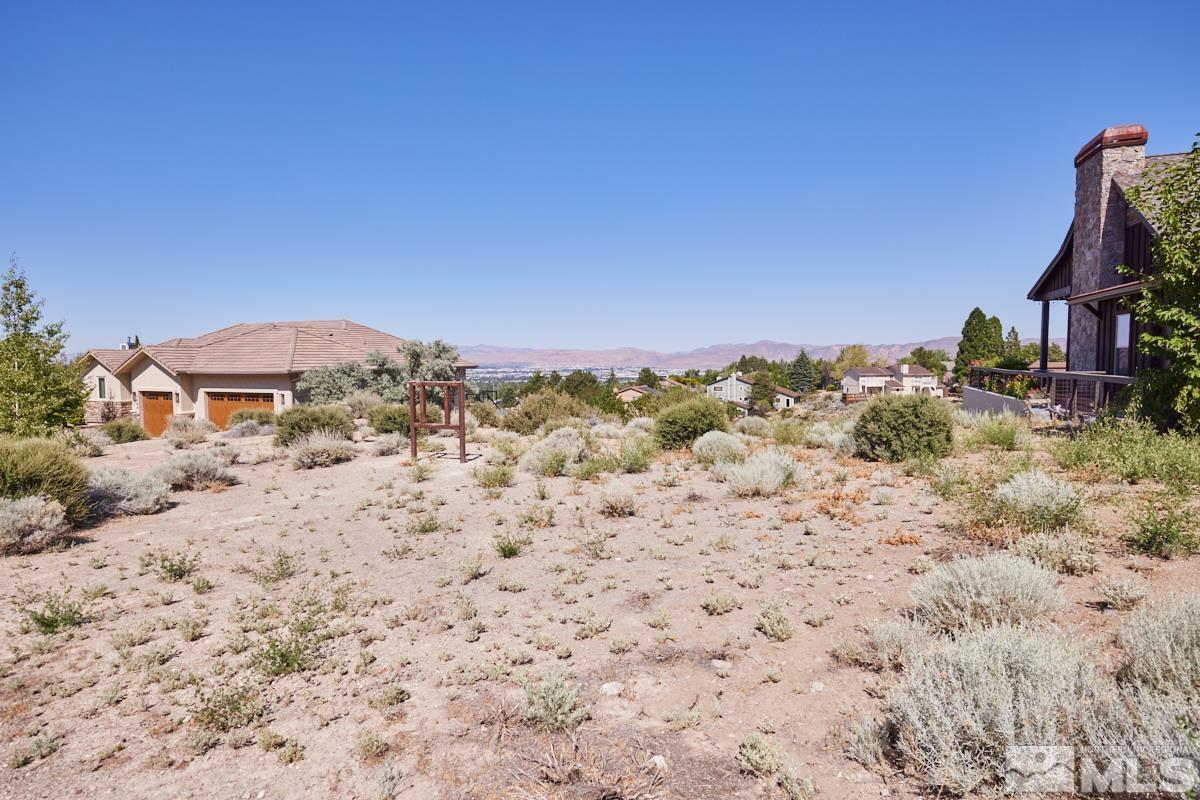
pixel 361 579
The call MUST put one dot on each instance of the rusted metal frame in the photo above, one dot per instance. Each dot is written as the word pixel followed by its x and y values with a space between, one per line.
pixel 419 416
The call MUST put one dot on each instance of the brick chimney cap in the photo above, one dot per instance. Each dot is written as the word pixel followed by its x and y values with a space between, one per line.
pixel 1116 136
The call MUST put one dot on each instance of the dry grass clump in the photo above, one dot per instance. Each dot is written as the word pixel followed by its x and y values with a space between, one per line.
pixel 640 425
pixel 618 504
pixel 552 455
pixel 719 603
pixel 184 432
pixel 1123 595
pixel 886 644
pixel 606 430
pixel 752 426
pixel 1066 551
pixel 320 448
pixel 1162 647
pixel 962 703
pixel 389 444
pixel 774 623
pixel 31 524
pixel 118 491
pixel 361 402
pixel 82 442
pixel 553 705
pixel 992 590
pixel 838 439
pixel 718 447
pixel 497 476
pixel 1004 431
pixel 1032 501
pixel 762 475
pixel 204 469
pixel 506 447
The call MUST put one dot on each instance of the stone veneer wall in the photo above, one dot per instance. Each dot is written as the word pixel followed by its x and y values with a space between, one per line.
pixel 97 412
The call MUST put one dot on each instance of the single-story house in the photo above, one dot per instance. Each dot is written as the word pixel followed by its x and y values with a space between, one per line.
pixel 249 365
pixel 897 379
pixel 631 393
pixel 735 388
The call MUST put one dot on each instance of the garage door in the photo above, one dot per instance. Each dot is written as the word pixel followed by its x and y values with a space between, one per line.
pixel 222 404
pixel 157 408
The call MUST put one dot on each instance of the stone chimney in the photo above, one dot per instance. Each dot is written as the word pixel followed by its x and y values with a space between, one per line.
pixel 1099 232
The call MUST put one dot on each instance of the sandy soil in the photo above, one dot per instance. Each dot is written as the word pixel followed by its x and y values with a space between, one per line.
pixel 615 604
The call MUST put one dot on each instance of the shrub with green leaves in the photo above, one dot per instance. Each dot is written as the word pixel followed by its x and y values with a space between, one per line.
pixel 901 427
pixel 30 525
pixel 553 704
pixel 124 430
pixel 635 454
pixel 113 491
pixel 497 476
pixel 1132 450
pixel 486 413
pixel 44 468
pixel 1166 528
pixel 259 415
pixel 553 455
pixel 992 590
pixel 320 448
pixel 299 420
pixel 1032 501
pixel 718 447
pixel 788 431
pixel 393 418
pixel 361 402
pixel 680 425
pixel 1004 431
pixel 539 408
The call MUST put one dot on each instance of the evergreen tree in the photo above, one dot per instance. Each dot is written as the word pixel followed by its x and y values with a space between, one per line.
pixel 1012 344
pixel 611 381
pixel 762 393
pixel 801 375
pixel 982 339
pixel 648 377
pixel 40 393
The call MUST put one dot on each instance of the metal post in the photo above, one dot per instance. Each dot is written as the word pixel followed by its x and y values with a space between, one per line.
pixel 1044 363
pixel 412 420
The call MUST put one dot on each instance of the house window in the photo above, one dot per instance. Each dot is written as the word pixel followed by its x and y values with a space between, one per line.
pixel 100 387
pixel 1121 345
pixel 718 388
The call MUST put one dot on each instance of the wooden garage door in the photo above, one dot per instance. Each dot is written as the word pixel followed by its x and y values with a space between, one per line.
pixel 157 409
pixel 222 404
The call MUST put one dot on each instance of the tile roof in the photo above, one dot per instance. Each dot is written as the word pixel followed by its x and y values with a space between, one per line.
pixel 914 371
pixel 271 348
pixel 869 372
pixel 110 358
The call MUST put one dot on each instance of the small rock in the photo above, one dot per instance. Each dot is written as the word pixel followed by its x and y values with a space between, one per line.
pixel 612 689
pixel 816 686
pixel 720 663
pixel 658 763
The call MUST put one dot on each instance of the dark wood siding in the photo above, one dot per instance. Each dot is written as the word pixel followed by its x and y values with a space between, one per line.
pixel 1137 248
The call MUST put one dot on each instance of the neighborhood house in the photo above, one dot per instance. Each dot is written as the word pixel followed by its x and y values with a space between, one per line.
pixel 898 379
pixel 736 389
pixel 245 366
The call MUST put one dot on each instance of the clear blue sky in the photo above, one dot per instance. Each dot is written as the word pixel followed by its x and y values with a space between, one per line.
pixel 664 175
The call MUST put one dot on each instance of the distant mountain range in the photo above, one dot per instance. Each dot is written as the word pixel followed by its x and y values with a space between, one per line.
pixel 712 357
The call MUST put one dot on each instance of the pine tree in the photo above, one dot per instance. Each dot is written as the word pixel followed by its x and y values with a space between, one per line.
pixel 801 375
pixel 40 393
pixel 982 339
pixel 648 377
pixel 1012 344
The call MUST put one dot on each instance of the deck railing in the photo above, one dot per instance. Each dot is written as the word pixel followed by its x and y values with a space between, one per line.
pixel 1066 394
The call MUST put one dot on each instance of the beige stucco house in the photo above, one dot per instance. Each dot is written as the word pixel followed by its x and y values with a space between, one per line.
pixel 250 365
pixel 735 389
pixel 897 379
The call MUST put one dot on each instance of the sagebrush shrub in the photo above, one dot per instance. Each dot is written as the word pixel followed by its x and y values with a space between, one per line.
pixel 837 438
pixel 507 447
pixel 552 455
pixel 1162 647
pixel 640 424
pixel 393 418
pixel 486 413
pixel 762 475
pixel 774 623
pixel 1123 595
pixel 716 447
pixel 186 431
pixel 259 415
pixel 320 449
pixel 249 427
pixel 553 705
pixel 679 425
pixel 961 704
pixel 886 644
pixel 606 430
pixel 991 590
pixel 788 431
pixel 902 427
pixel 44 468
pixel 118 491
pixel 752 426
pixel 389 444
pixel 1032 501
pixel 83 443
pixel 1063 551
pixel 200 469
pixel 635 453
pixel 299 420
pixel 30 525
pixel 1005 431
pixel 539 408
pixel 361 402
pixel 124 430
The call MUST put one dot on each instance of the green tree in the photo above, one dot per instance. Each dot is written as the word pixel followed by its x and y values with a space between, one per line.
pixel 981 340
pixel 535 383
pixel 855 355
pixel 382 374
pixel 932 360
pixel 801 375
pixel 648 377
pixel 1169 307
pixel 40 392
pixel 1012 344
pixel 762 392
pixel 611 381
pixel 582 385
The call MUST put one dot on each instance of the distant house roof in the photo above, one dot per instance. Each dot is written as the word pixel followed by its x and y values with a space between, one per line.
pixel 110 358
pixel 269 348
pixel 914 370
pixel 869 372
pixel 892 383
pixel 786 392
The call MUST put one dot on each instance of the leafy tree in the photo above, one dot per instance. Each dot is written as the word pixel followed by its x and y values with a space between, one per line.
pixel 762 393
pixel 855 355
pixel 932 360
pixel 535 383
pixel 981 341
pixel 1012 344
pixel 333 383
pixel 554 380
pixel 40 392
pixel 508 395
pixel 801 375
pixel 582 385
pixel 1169 308
pixel 381 374
pixel 648 377
pixel 611 381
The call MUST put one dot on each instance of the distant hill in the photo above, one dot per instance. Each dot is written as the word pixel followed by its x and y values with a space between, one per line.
pixel 711 357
